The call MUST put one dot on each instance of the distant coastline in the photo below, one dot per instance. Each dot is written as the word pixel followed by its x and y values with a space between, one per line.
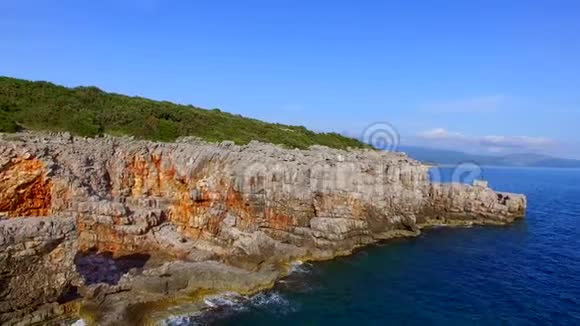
pixel 446 158
pixel 449 165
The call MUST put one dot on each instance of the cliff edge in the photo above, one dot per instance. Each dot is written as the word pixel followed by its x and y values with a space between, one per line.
pixel 118 230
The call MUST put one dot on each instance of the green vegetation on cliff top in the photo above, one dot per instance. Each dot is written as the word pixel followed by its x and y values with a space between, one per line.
pixel 89 111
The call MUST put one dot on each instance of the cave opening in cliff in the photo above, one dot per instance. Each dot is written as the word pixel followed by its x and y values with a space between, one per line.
pixel 103 267
pixel 71 294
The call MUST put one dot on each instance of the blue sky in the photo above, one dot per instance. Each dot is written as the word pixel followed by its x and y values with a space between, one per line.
pixel 486 76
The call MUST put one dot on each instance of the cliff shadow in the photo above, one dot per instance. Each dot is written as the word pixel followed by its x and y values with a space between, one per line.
pixel 96 267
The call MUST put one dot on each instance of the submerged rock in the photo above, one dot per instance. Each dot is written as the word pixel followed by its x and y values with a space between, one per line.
pixel 76 213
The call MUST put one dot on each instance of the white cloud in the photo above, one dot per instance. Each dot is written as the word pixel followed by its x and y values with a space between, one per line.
pixel 440 137
pixel 439 133
pixel 515 141
pixel 489 103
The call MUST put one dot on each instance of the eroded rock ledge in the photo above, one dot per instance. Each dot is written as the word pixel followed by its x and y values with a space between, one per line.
pixel 119 230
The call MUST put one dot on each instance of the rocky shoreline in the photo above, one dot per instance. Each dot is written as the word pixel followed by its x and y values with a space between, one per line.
pixel 119 231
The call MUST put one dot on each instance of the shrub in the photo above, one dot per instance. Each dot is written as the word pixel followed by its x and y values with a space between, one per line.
pixel 89 111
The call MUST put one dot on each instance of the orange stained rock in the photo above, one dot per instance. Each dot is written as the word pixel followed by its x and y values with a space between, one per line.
pixel 24 188
pixel 154 175
pixel 146 176
pixel 277 220
pixel 333 202
pixel 139 172
pixel 104 238
pixel 242 208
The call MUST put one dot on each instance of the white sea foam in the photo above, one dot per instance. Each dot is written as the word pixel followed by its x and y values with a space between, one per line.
pixel 272 301
pixel 266 299
pixel 189 320
pixel 229 303
pixel 226 299
pixel 299 267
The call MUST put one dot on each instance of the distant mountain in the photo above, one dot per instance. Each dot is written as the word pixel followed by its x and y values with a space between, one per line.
pixel 440 156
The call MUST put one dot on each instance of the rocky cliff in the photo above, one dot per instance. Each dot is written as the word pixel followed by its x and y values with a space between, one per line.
pixel 118 230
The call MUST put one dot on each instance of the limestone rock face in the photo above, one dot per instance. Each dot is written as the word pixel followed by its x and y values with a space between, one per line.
pixel 36 262
pixel 254 207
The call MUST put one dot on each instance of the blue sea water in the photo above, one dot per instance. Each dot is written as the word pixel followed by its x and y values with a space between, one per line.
pixel 527 273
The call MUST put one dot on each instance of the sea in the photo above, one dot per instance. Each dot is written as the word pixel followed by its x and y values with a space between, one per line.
pixel 526 273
